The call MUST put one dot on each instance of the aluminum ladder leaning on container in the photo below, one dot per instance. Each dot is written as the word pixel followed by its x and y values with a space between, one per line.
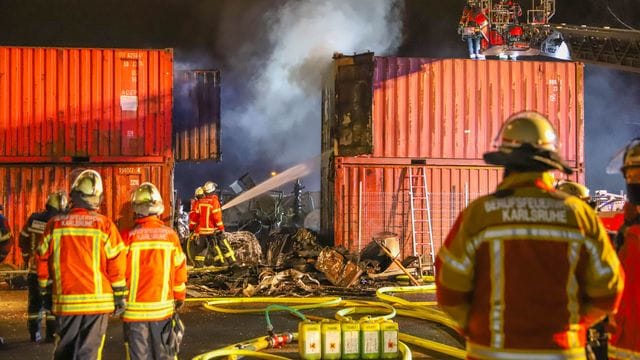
pixel 420 214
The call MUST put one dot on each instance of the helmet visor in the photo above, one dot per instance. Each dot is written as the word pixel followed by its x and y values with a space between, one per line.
pixel 618 161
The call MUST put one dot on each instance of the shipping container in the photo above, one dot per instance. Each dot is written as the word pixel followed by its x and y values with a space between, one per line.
pixel 196 120
pixel 25 188
pixel 371 196
pixel 445 108
pixel 81 104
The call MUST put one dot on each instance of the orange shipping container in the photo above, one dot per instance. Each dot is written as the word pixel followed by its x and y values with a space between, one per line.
pixel 371 195
pixel 445 108
pixel 25 189
pixel 65 104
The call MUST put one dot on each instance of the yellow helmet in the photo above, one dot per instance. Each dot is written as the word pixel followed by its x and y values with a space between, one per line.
pixel 57 200
pixel 209 187
pixel 146 200
pixel 573 188
pixel 199 192
pixel 527 141
pixel 88 186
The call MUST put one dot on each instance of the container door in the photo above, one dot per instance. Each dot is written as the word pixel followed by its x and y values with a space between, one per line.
pixel 196 120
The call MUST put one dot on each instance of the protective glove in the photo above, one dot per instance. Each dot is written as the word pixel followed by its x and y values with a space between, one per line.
pixel 120 299
pixel 178 304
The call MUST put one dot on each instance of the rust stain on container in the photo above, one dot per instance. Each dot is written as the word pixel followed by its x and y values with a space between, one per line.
pixel 446 108
pixel 197 115
pixel 25 188
pixel 371 196
pixel 57 103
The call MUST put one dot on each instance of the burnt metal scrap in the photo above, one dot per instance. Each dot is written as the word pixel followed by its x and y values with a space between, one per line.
pixel 292 264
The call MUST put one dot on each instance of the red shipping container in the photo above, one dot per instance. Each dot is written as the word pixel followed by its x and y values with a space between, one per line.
pixel 60 104
pixel 25 188
pixel 446 108
pixel 371 195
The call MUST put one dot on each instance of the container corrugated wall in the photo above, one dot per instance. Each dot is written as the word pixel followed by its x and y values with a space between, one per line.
pixel 196 119
pixel 371 196
pixel 57 104
pixel 448 108
pixel 25 188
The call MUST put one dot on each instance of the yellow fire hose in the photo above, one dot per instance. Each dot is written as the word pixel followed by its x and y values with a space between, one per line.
pixel 389 306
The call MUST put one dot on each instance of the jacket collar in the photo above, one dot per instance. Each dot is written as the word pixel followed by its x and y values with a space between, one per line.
pixel 152 219
pixel 542 180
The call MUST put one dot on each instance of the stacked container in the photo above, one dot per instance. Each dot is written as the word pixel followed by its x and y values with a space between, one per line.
pixel 384 115
pixel 67 109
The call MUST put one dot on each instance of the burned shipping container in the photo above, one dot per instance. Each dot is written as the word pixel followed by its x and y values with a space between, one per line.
pixel 384 115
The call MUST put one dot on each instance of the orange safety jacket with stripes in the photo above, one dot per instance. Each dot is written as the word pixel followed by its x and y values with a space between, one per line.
pixel 525 272
pixel 83 255
pixel 625 327
pixel 193 217
pixel 156 270
pixel 209 215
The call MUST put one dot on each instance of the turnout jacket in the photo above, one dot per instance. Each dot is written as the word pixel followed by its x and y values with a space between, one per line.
pixel 83 254
pixel 625 327
pixel 31 235
pixel 526 270
pixel 208 215
pixel 156 270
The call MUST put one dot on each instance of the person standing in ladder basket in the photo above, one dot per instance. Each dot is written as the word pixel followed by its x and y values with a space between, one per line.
pixel 526 270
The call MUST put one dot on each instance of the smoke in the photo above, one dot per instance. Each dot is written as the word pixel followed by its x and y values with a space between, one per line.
pixel 272 79
pixel 611 120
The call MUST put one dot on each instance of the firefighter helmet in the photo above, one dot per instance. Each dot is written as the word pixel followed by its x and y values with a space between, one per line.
pixel 209 187
pixel 575 189
pixel 88 187
pixel 57 200
pixel 527 141
pixel 199 192
pixel 146 200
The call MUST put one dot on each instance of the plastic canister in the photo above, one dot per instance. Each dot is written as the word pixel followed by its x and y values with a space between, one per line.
pixel 389 339
pixel 350 340
pixel 370 339
pixel 309 340
pixel 331 340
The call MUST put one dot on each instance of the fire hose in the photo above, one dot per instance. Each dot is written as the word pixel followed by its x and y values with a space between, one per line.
pixel 388 305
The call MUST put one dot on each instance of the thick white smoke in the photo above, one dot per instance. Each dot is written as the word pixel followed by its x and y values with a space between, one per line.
pixel 280 114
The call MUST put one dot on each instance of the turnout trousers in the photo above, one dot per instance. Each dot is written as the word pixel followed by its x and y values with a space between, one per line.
pixel 81 336
pixel 143 340
pixel 34 305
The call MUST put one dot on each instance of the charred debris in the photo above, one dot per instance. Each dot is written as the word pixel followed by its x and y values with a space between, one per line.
pixel 278 252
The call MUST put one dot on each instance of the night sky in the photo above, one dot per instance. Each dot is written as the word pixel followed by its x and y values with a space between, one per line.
pixel 271 53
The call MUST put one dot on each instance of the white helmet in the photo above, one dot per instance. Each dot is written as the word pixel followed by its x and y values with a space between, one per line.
pixel 209 187
pixel 146 200
pixel 88 186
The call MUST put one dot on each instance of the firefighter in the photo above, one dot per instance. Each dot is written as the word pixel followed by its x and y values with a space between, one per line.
pixel 30 237
pixel 156 276
pixel 625 325
pixel 211 228
pixel 198 195
pixel 576 189
pixel 527 269
pixel 473 27
pixel 82 255
pixel 5 236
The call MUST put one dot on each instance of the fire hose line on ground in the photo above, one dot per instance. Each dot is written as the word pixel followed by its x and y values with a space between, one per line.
pixel 391 306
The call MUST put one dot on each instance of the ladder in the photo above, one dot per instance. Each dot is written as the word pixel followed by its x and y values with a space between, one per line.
pixel 421 227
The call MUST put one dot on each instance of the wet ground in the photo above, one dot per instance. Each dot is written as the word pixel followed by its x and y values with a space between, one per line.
pixel 205 331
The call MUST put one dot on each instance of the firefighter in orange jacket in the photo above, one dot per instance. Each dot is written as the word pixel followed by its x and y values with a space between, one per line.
pixel 625 325
pixel 156 276
pixel 84 258
pixel 30 237
pixel 526 270
pixel 193 223
pixel 211 229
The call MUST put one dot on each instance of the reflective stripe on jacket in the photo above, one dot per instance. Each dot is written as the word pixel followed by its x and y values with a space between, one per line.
pixel 625 335
pixel 83 254
pixel 31 235
pixel 526 270
pixel 156 270
pixel 209 215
